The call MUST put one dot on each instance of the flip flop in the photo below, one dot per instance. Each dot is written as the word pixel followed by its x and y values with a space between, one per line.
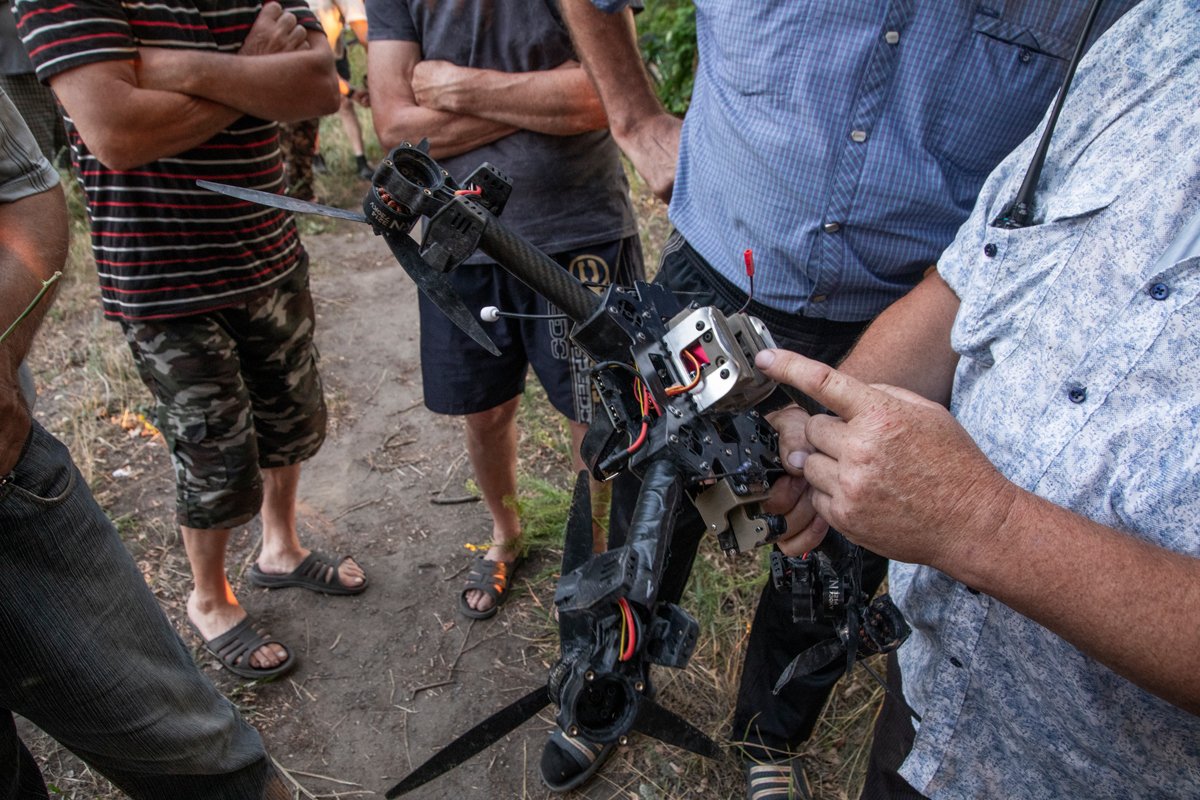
pixel 234 648
pixel 311 574
pixel 568 762
pixel 493 578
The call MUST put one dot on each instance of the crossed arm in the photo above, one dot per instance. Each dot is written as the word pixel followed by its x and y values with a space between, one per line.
pixel 461 108
pixel 171 100
pixel 897 474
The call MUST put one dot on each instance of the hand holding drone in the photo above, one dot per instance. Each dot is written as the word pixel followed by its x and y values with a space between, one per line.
pixel 679 390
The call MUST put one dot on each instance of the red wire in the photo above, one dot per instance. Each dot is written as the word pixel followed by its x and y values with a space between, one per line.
pixel 627 617
pixel 473 191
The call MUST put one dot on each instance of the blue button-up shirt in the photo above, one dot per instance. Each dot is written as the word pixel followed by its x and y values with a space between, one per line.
pixel 1079 378
pixel 845 142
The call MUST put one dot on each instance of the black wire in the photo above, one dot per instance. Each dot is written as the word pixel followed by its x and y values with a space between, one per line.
pixel 1020 213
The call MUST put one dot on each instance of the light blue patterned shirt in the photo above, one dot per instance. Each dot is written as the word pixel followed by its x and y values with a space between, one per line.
pixel 1080 379
pixel 845 142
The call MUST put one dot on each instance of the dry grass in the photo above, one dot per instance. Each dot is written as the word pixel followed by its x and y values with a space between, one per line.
pixel 87 379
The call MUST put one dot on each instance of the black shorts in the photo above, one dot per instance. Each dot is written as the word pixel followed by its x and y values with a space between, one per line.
pixel 460 377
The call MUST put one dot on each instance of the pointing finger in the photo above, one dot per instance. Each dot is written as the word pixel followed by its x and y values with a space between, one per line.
pixel 835 390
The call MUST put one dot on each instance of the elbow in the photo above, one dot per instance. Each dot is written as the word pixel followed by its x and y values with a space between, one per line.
pixel 117 150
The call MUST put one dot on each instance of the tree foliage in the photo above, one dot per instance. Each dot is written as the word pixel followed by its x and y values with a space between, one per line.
pixel 667 30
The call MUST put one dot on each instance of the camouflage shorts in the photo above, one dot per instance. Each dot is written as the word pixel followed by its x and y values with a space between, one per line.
pixel 237 389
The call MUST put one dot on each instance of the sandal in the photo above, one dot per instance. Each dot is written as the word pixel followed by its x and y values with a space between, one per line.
pixel 234 648
pixel 316 572
pixel 493 578
pixel 568 762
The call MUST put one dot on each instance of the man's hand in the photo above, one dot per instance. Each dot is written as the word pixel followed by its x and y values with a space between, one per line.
pixel 274 31
pixel 437 84
pixel 653 148
pixel 894 472
pixel 792 495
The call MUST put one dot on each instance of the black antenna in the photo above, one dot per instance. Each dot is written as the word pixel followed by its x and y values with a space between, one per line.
pixel 1020 213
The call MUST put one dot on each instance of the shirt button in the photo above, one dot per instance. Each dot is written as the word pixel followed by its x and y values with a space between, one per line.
pixel 1160 291
pixel 990 250
pixel 858 136
pixel 819 298
pixel 892 37
pixel 831 227
pixel 1077 395
pixel 1025 56
pixel 955 662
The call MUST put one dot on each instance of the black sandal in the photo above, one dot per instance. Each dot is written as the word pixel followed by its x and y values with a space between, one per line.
pixel 234 648
pixel 493 578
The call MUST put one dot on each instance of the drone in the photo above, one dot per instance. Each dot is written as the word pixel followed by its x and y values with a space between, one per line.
pixel 679 390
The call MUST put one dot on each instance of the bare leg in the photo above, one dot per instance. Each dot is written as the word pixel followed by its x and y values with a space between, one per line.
pixel 212 606
pixel 281 549
pixel 492 449
pixel 351 126
pixel 601 492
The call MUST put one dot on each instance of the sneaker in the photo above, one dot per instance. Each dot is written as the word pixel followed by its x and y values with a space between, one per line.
pixel 777 780
pixel 568 762
pixel 319 166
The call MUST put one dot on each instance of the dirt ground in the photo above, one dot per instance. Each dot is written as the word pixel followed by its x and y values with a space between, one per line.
pixel 387 677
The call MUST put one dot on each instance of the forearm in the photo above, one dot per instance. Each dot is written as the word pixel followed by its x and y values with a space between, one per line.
pixel 559 102
pixel 286 87
pixel 607 46
pixel 125 125
pixel 908 345
pixel 1128 604
pixel 448 134
pixel 32 248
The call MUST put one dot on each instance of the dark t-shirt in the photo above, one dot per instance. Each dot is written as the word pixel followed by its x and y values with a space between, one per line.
pixel 568 191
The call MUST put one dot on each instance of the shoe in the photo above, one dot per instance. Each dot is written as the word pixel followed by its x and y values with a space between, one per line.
pixel 318 164
pixel 364 169
pixel 234 648
pixel 777 780
pixel 493 578
pixel 316 572
pixel 568 762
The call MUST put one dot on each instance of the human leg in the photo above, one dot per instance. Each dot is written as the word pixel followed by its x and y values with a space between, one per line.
pixel 90 658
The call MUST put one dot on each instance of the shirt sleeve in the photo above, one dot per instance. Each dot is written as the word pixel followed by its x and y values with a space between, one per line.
pixel 24 171
pixel 390 21
pixel 63 35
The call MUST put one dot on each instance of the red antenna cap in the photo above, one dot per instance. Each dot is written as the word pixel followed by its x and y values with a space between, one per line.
pixel 749 258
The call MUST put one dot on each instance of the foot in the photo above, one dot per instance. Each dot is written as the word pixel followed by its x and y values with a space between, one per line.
pixel 481 601
pixel 568 762
pixel 213 618
pixel 777 780
pixel 348 572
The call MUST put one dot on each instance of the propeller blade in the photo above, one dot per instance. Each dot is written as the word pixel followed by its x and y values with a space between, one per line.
pixel 281 201
pixel 577 544
pixel 438 289
pixel 669 727
pixel 473 741
pixel 815 658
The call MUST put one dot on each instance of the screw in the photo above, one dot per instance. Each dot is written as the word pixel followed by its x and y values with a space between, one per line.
pixel 673 439
pixel 639 686
pixel 700 326
pixel 589 676
pixel 623 740
pixel 724 374
pixel 574 731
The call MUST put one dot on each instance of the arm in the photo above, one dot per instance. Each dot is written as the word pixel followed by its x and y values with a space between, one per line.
pixel 126 122
pixel 398 117
pixel 607 45
pixel 898 475
pixel 33 245
pixel 560 102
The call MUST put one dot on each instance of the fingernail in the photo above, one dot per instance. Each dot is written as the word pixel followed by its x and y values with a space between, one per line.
pixel 796 459
pixel 764 359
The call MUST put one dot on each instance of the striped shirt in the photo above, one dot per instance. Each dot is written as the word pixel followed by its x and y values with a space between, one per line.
pixel 163 246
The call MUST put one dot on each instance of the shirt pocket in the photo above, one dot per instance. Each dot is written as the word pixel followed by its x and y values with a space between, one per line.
pixel 1011 286
pixel 1002 84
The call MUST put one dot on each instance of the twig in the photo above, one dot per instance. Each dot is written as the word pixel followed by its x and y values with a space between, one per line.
pixel 414 692
pixel 46 284
pixel 356 507
pixel 299 787
pixel 335 642
pixel 410 407
pixel 388 441
pixel 326 778
pixel 458 655
pixel 454 501
pixel 375 391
